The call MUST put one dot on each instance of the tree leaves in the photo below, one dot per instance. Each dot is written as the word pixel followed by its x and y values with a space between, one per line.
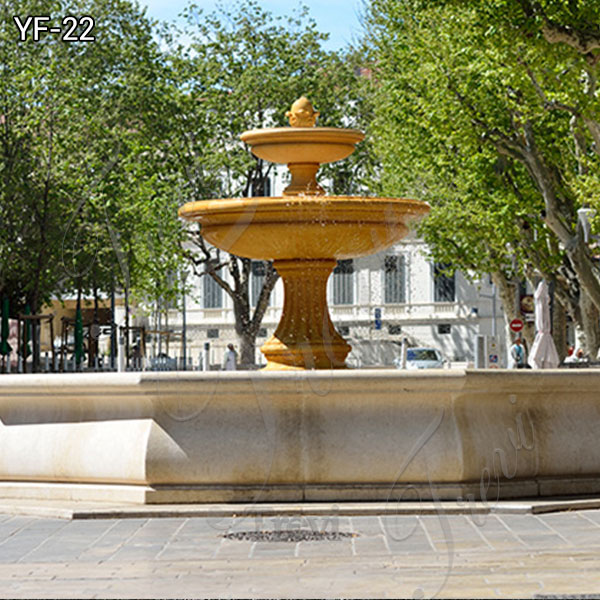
pixel 480 113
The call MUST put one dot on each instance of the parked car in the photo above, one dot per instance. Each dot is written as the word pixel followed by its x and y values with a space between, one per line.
pixel 163 362
pixel 422 358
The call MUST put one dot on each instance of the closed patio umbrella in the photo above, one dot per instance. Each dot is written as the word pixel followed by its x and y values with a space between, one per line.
pixel 26 348
pixel 543 353
pixel 4 329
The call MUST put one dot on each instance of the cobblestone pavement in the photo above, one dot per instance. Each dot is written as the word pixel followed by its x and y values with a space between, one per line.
pixel 388 556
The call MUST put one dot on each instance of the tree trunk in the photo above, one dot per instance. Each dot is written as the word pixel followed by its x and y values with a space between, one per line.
pixel 247 324
pixel 507 290
pixel 247 349
pixel 559 328
pixel 590 326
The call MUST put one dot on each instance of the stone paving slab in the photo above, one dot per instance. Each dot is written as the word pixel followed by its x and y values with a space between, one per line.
pixel 442 555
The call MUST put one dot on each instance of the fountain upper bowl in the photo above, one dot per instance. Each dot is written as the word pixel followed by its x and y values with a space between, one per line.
pixel 288 228
pixel 287 145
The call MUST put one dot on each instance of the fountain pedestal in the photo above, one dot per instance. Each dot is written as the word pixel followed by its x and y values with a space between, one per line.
pixel 303 180
pixel 305 337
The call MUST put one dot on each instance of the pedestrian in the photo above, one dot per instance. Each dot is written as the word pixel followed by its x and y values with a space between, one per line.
pixel 230 358
pixel 576 357
pixel 517 355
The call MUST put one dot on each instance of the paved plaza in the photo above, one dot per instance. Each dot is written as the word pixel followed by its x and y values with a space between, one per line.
pixel 388 556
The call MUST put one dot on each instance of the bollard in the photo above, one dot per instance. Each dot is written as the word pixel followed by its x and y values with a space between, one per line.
pixel 121 355
pixel 20 364
pixel 46 362
pixel 206 357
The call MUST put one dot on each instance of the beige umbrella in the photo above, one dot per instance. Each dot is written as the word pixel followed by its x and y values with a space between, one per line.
pixel 543 353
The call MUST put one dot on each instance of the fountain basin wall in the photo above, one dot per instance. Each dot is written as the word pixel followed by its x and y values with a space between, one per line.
pixel 289 436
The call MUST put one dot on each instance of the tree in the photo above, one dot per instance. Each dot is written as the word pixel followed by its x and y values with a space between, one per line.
pixel 242 70
pixel 78 131
pixel 489 111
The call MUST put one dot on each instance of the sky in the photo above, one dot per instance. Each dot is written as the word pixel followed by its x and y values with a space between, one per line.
pixel 339 18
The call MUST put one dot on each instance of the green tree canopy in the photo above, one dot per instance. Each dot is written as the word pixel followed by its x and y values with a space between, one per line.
pixel 489 111
pixel 78 128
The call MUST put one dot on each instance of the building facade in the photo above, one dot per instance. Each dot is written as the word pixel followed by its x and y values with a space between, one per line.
pixel 374 302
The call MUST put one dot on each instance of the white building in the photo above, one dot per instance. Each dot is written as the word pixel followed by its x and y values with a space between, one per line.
pixel 374 302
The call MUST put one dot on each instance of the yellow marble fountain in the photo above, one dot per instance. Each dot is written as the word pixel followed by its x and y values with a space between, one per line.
pixel 328 436
pixel 304 232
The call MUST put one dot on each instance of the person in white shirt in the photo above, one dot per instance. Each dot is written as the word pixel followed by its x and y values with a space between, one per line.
pixel 230 358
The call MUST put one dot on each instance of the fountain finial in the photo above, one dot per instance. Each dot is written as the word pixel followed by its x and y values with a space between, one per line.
pixel 302 113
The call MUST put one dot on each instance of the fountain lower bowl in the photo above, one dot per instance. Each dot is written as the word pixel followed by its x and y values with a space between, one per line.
pixel 284 228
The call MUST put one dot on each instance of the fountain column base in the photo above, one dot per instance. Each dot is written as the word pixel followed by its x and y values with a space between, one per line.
pixel 305 337
pixel 304 180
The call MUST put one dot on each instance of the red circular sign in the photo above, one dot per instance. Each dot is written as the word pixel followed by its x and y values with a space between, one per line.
pixel 516 325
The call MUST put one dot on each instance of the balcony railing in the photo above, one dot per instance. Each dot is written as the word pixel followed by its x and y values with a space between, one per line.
pixel 362 312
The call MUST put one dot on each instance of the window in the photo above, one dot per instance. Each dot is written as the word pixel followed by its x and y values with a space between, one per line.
pixel 444 328
pixel 257 280
pixel 444 285
pixel 212 334
pixel 343 282
pixel 423 354
pixel 394 329
pixel 394 280
pixel 343 330
pixel 212 292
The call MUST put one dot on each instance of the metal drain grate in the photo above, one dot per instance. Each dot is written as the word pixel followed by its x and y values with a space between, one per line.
pixel 290 535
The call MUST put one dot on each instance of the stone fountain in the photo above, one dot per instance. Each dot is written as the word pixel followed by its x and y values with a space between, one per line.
pixel 304 232
pixel 304 429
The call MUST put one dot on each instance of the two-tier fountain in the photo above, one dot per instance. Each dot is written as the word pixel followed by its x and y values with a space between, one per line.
pixel 316 435
pixel 304 232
